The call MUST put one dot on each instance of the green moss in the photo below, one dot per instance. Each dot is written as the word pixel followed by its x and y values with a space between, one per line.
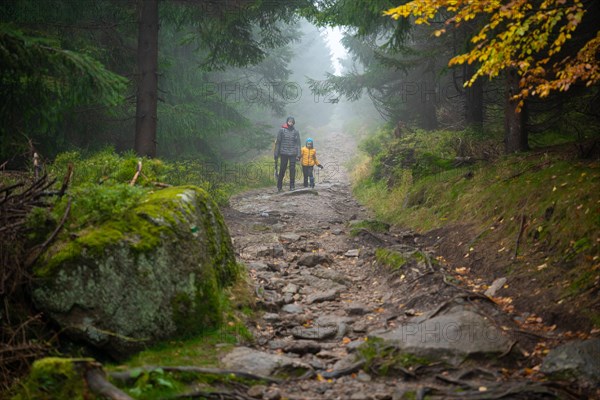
pixel 371 225
pixel 159 384
pixel 384 359
pixel 141 227
pixel 204 310
pixel 54 378
pixel 393 260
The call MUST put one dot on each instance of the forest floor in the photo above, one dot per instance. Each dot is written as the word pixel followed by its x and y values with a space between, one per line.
pixel 325 285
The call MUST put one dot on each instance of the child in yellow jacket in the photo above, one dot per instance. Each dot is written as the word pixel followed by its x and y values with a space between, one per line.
pixel 308 159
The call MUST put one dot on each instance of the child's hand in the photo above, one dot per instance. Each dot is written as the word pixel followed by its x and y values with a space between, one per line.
pixel 320 166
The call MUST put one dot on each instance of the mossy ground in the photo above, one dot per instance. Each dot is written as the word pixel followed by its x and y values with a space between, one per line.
pixel 532 217
pixel 54 378
pixel 383 359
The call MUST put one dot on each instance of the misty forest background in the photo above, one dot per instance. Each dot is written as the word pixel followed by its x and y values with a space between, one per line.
pixel 211 82
pixel 198 90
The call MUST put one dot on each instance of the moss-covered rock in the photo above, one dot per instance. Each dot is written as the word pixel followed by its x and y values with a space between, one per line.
pixel 155 274
pixel 56 378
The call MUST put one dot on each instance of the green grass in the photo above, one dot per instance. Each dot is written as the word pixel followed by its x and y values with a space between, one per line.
pixel 559 198
pixel 370 225
pixel 550 196
pixel 199 351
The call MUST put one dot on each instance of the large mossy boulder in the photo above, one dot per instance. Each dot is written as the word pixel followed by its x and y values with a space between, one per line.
pixel 157 273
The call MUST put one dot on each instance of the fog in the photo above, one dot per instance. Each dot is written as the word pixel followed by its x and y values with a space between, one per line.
pixel 316 55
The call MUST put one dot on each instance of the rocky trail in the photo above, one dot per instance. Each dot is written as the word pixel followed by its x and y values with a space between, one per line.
pixel 338 323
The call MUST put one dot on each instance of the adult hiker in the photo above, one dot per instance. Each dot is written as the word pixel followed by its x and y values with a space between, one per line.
pixel 287 150
pixel 308 159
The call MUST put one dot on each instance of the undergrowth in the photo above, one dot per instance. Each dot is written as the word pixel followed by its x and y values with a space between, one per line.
pixel 557 194
pixel 538 209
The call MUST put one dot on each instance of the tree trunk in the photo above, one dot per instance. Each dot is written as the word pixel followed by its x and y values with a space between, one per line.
pixel 429 100
pixel 473 100
pixel 515 131
pixel 147 85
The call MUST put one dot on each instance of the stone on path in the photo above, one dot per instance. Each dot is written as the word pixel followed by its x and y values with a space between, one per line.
pixel 290 237
pixel 320 297
pixel 314 333
pixel 296 346
pixel 496 285
pixel 293 308
pixel 575 359
pixel 312 259
pixel 352 253
pixel 355 308
pixel 258 266
pixel 265 364
pixel 451 337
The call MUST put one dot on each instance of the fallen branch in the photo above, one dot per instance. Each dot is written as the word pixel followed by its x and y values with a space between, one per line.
pixel 66 180
pixel 137 174
pixel 98 384
pixel 38 251
pixel 532 167
pixel 125 376
pixel 523 218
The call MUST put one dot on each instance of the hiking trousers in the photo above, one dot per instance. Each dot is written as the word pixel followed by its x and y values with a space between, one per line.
pixel 283 163
pixel 307 171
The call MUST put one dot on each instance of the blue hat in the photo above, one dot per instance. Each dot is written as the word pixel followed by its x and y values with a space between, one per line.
pixel 309 140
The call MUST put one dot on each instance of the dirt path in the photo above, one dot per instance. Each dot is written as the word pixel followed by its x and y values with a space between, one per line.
pixel 311 255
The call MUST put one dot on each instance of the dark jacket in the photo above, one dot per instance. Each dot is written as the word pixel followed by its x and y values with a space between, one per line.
pixel 288 142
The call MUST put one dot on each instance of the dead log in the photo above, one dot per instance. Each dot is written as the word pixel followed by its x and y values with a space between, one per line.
pixel 96 380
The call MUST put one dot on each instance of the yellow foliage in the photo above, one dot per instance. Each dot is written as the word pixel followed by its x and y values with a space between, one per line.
pixel 524 43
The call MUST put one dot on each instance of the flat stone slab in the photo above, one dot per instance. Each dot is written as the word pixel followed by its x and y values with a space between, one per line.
pixel 314 333
pixel 495 286
pixel 352 253
pixel 265 364
pixel 312 259
pixel 319 297
pixel 451 337
pixel 575 359
pixel 290 237
pixel 296 346
pixel 293 308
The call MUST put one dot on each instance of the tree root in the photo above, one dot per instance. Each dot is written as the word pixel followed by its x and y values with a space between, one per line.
pixel 344 371
pixel 126 376
pixel 96 380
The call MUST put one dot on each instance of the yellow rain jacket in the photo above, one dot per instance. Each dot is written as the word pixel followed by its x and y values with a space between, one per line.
pixel 308 157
